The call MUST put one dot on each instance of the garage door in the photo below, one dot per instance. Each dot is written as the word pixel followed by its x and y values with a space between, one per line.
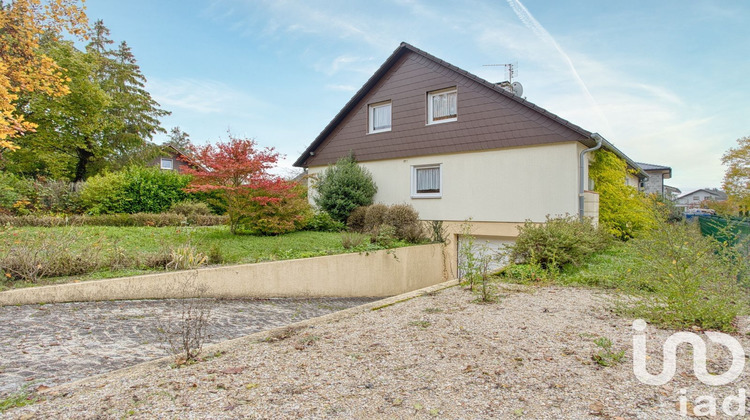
pixel 494 245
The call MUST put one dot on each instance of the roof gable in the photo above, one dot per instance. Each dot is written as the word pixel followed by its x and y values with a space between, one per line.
pixel 500 118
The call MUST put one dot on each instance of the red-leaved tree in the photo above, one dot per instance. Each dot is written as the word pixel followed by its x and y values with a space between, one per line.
pixel 257 201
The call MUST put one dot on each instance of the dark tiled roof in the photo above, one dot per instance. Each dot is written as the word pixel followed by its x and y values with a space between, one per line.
pixel 542 117
pixel 651 167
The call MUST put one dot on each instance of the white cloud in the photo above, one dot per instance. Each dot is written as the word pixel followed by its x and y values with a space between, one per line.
pixel 342 88
pixel 203 97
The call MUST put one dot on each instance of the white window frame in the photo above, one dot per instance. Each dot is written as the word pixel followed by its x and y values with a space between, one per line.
pixel 434 93
pixel 171 164
pixel 414 169
pixel 371 114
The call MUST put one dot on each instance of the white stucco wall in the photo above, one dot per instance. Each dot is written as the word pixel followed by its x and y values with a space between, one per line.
pixel 506 185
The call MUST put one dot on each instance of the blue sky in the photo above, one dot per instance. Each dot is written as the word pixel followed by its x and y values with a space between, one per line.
pixel 667 82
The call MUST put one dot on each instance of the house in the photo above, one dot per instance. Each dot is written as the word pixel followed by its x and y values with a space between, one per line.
pixel 173 159
pixel 695 198
pixel 656 176
pixel 457 147
pixel 671 192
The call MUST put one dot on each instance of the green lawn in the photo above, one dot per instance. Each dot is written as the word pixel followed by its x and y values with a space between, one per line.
pixel 133 247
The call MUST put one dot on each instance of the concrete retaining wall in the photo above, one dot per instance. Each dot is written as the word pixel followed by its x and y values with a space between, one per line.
pixel 380 273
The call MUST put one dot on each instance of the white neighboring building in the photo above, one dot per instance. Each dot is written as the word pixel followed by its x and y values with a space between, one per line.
pixel 695 198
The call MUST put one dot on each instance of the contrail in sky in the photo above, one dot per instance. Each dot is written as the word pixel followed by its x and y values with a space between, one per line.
pixel 528 20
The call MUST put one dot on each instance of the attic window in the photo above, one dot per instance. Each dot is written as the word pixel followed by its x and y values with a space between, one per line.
pixel 167 163
pixel 380 117
pixel 442 106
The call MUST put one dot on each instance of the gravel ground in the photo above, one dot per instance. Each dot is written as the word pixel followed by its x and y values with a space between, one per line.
pixel 438 355
pixel 57 343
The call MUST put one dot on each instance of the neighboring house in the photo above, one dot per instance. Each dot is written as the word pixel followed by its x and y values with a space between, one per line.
pixel 656 176
pixel 174 159
pixel 695 198
pixel 457 147
pixel 671 192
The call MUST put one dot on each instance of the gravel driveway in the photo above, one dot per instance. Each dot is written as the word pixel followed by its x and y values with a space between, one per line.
pixel 58 343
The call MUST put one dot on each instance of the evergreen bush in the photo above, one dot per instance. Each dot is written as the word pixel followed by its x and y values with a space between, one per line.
pixel 343 187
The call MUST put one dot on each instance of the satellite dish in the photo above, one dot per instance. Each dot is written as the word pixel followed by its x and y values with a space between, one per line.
pixel 517 88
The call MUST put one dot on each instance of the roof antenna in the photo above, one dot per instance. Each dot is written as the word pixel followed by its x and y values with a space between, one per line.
pixel 512 71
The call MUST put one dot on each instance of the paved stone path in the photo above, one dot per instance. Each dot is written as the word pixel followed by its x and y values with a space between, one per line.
pixel 58 343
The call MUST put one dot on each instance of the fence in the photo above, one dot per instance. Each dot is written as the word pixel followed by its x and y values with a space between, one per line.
pixel 729 230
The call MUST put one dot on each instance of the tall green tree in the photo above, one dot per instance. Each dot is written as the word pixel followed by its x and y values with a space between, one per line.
pixel 105 122
pixel 179 139
pixel 737 178
pixel 67 126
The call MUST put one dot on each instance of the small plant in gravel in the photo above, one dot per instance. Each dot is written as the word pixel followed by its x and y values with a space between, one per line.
pixel 433 310
pixel 421 324
pixel 183 326
pixel 474 263
pixel 281 335
pixel 17 399
pixel 306 341
pixel 606 356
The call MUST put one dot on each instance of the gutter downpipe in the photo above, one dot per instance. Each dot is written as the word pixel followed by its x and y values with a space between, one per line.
pixel 582 186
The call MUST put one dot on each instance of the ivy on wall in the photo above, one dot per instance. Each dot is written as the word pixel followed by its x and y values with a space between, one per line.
pixel 623 210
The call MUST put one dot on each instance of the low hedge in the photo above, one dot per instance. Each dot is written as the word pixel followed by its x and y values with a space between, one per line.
pixel 121 219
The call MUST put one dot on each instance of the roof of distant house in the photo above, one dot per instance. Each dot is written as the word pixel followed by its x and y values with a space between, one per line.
pixel 404 48
pixel 186 157
pixel 721 195
pixel 651 167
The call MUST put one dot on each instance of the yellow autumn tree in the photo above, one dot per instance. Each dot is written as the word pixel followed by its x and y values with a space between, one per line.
pixel 737 177
pixel 23 67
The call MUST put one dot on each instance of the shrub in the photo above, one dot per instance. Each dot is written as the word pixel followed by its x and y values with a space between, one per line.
pixel 14 189
pixel 48 255
pixel 323 222
pixel 57 197
pixel 122 219
pixel 375 216
pixel 684 279
pixel 356 220
pixel 413 233
pixel 351 240
pixel 23 196
pixel 105 193
pixel 384 235
pixel 151 190
pixel 557 242
pixel 133 190
pixel 185 257
pixel 437 231
pixel 405 219
pixel 255 200
pixel 189 208
pixel 343 187
pixel 275 212
pixel 623 210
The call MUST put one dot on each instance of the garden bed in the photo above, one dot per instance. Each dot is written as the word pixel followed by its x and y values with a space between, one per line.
pixel 97 252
